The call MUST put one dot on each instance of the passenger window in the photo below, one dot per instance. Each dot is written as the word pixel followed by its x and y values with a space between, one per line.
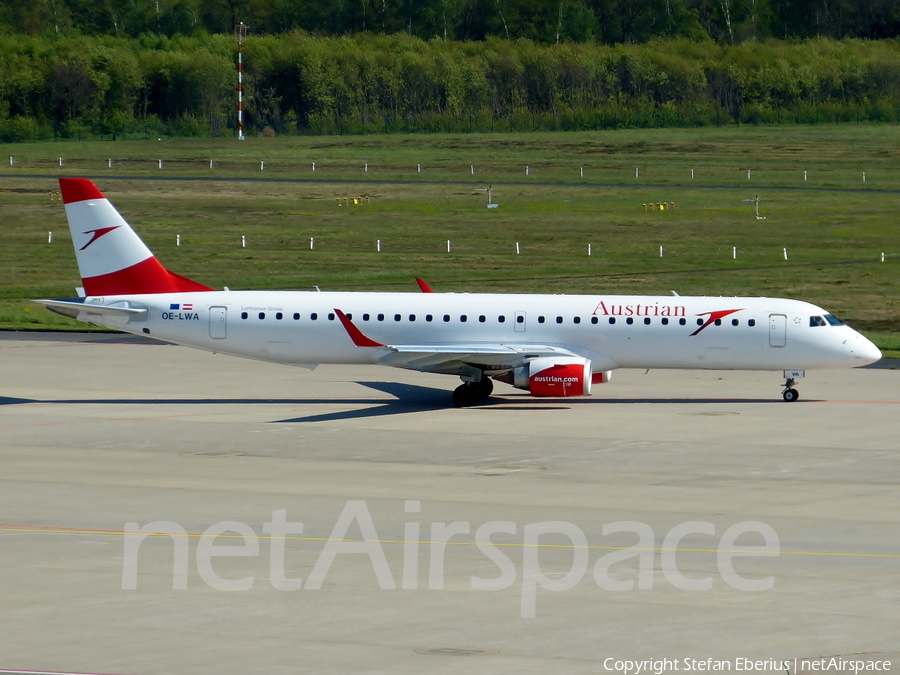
pixel 751 323
pixel 313 316
pixel 647 321
pixel 365 317
pixel 243 315
pixel 699 322
pixel 735 322
pixel 262 315
pixel 396 317
pixel 718 322
pixel 331 316
pixel 664 321
pixel 520 319
pixel 279 316
pixel 559 319
pixel 381 317
pixel 446 318
pixel 595 320
pixel 612 321
pixel 629 321
pixel 682 322
pixel 296 316
pixel 412 317
pixel 540 319
pixel 349 316
pixel 577 319
pixel 429 318
pixel 463 318
pixel 482 318
pixel 501 319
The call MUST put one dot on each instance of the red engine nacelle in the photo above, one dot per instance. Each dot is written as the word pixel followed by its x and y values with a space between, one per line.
pixel 555 376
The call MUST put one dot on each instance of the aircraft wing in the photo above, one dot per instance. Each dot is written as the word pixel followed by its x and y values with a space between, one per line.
pixel 449 357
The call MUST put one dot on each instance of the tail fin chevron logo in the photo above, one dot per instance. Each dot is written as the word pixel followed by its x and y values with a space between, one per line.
pixel 714 316
pixel 99 232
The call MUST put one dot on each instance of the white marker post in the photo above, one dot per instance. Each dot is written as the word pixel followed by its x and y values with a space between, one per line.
pixel 109 163
pixel 785 254
pixel 589 250
pixel 160 163
pixel 692 174
pixel 527 169
pixel 448 246
pixel 314 167
pixel 50 237
pixel 262 165
pixel 748 174
pixel 418 168
pixel 312 243
pixel 582 172
pixel 367 167
pixel 10 160
pixel 178 240
pixel 378 245
pixel 517 248
pixel 60 161
pixel 882 256
pixel 243 241
pixel 637 172
pixel 734 252
pixel 472 169
pixel 805 176
pixel 210 164
pixel 660 251
pixel 864 176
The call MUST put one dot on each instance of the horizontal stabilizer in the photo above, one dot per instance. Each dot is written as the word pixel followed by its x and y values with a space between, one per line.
pixel 72 308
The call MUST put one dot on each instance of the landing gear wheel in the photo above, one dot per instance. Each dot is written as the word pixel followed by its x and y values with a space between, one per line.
pixel 790 395
pixel 485 387
pixel 465 395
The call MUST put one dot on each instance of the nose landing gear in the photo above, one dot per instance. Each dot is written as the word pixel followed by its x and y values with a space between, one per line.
pixel 790 394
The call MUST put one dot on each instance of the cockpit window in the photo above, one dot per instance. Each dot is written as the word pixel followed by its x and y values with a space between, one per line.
pixel 817 321
pixel 833 320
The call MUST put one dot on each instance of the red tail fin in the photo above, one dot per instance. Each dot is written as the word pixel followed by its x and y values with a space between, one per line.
pixel 111 257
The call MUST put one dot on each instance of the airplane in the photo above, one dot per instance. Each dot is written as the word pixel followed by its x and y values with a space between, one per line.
pixel 548 345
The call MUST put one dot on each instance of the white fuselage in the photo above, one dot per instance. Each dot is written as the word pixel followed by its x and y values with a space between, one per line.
pixel 611 331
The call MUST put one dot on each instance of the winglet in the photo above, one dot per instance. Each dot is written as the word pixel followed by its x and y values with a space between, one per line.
pixel 355 333
pixel 423 285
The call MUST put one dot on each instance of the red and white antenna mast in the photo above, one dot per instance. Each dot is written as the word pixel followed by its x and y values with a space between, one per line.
pixel 241 31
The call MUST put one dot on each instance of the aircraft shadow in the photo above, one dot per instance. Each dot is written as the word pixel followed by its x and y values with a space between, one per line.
pixel 407 399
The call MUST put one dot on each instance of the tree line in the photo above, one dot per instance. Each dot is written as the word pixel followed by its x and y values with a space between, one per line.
pixel 546 21
pixel 296 83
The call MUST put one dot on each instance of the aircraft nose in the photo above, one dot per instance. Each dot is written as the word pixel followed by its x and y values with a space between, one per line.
pixel 863 350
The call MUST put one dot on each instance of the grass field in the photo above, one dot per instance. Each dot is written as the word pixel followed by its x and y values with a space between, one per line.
pixel 835 226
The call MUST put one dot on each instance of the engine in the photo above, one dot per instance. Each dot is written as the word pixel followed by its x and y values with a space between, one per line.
pixel 555 376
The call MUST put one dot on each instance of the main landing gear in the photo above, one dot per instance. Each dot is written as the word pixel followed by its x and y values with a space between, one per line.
pixel 790 394
pixel 468 393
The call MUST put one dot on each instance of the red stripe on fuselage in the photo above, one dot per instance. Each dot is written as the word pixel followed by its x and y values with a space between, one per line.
pixel 148 276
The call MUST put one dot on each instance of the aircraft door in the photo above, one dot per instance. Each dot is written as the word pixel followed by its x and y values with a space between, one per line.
pixel 520 321
pixel 777 330
pixel 217 323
